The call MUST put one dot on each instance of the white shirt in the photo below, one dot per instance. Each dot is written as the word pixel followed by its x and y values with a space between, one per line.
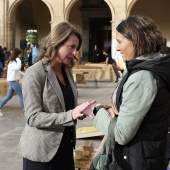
pixel 13 72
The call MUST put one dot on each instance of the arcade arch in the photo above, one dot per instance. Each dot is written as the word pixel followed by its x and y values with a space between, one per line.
pixel 97 19
pixel 24 15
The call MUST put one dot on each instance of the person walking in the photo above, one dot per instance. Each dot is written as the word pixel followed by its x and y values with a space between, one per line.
pixel 13 76
pixel 50 98
pixel 141 100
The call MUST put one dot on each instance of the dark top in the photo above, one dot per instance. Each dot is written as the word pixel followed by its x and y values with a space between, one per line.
pixel 110 61
pixel 95 57
pixel 146 150
pixel 30 59
pixel 65 151
pixel 2 56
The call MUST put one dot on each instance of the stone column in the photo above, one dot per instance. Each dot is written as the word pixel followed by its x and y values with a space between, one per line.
pixel 11 35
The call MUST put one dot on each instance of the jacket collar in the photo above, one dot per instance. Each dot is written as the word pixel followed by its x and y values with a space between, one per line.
pixel 56 86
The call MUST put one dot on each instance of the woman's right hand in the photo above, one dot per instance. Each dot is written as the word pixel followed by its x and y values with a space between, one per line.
pixel 113 112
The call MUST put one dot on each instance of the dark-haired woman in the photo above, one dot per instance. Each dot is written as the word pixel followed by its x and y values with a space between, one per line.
pixel 142 98
pixel 13 76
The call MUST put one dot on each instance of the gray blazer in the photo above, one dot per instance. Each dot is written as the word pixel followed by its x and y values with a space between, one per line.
pixel 45 112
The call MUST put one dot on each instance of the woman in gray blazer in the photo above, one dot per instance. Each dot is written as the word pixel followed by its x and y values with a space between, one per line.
pixel 50 99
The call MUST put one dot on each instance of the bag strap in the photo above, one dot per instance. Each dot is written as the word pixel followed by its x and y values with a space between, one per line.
pixel 110 142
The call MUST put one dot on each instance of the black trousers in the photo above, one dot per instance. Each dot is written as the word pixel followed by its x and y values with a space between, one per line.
pixel 57 163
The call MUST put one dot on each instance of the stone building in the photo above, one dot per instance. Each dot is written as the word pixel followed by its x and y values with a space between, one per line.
pixel 97 19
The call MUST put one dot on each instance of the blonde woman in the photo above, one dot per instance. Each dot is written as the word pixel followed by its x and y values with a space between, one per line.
pixel 50 98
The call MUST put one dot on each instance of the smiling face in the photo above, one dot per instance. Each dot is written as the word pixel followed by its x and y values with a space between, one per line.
pixel 125 47
pixel 67 51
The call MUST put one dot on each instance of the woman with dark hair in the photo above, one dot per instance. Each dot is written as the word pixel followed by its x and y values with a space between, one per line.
pixel 50 98
pixel 13 76
pixel 141 100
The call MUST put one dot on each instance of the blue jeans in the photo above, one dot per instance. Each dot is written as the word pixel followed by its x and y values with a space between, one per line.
pixel 14 86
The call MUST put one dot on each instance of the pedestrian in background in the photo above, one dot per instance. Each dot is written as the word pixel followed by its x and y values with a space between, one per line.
pixel 50 98
pixel 2 60
pixel 13 77
pixel 29 56
pixel 6 53
pixel 109 60
pixel 35 52
pixel 95 54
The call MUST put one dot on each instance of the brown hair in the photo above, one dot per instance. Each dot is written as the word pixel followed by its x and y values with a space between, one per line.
pixel 57 37
pixel 14 54
pixel 143 32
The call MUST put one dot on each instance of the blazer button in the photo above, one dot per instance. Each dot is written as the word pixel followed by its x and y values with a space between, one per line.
pixel 125 157
pixel 71 140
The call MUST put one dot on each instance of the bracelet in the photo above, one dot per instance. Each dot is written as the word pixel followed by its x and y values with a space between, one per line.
pixel 96 109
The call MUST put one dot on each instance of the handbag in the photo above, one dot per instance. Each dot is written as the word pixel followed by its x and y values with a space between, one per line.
pixel 106 160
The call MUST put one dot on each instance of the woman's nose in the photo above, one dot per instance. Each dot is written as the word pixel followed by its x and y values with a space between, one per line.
pixel 117 48
pixel 74 52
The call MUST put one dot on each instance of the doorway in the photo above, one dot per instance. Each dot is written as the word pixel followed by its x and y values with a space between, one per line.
pixel 100 35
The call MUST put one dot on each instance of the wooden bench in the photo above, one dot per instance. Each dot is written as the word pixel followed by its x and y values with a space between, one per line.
pixel 79 76
pixel 79 66
pixel 86 67
pixel 77 72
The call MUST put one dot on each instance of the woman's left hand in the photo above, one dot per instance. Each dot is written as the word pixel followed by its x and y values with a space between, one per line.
pixel 88 111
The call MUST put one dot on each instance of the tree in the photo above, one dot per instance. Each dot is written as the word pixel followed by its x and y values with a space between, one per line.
pixel 31 37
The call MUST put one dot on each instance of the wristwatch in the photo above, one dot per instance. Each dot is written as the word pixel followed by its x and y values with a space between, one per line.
pixel 96 109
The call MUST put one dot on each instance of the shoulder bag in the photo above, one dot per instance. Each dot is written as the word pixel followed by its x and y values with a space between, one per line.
pixel 106 160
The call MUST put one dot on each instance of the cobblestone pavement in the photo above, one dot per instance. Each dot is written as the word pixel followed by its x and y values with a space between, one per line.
pixel 13 121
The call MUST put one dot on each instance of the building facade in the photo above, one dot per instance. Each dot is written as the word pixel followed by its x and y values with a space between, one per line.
pixel 97 19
